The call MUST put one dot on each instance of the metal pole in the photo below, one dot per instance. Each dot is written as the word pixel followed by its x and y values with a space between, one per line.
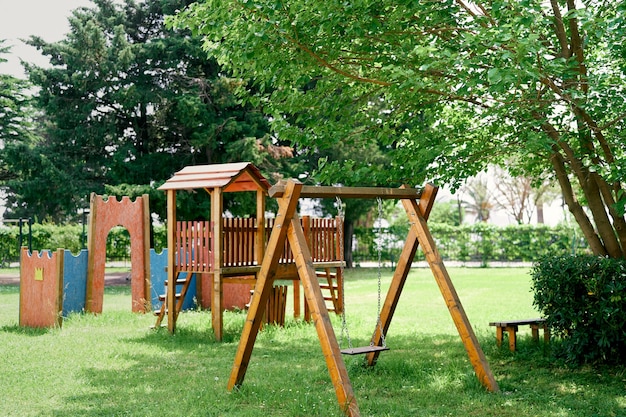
pixel 20 241
pixel 30 235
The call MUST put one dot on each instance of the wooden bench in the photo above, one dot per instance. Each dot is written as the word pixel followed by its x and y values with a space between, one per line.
pixel 511 327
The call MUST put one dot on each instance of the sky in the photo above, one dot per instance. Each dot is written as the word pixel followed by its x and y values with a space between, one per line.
pixel 19 19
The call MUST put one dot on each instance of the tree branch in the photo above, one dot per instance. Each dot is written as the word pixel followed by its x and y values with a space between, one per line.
pixel 577 47
pixel 333 68
pixel 559 29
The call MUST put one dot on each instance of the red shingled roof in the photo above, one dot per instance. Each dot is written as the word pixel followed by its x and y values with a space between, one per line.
pixel 241 176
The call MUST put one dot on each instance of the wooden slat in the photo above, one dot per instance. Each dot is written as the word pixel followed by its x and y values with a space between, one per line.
pixel 363 350
pixel 195 246
pixel 310 191
pixel 208 247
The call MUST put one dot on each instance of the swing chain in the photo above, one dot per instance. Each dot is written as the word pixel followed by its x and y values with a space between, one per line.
pixel 379 249
pixel 345 334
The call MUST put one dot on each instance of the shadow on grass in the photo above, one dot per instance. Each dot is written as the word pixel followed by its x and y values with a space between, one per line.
pixel 187 373
pixel 25 331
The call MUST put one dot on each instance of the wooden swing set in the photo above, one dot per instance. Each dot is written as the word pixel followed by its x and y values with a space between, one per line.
pixel 288 228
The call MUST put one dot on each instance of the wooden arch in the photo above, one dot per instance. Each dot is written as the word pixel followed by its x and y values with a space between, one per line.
pixel 135 217
pixel 417 205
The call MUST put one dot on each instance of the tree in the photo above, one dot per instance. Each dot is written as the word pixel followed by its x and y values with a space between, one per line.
pixel 14 105
pixel 520 197
pixel 129 101
pixel 17 132
pixel 539 84
pixel 479 198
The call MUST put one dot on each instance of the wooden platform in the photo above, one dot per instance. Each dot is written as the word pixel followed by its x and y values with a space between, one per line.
pixel 363 350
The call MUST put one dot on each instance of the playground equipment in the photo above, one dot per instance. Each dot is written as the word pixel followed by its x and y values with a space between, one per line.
pixel 52 286
pixel 135 217
pixel 287 228
pixel 235 255
pixel 41 288
pixel 58 283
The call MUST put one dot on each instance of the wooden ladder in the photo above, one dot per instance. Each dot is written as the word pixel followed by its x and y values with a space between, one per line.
pixel 329 282
pixel 182 285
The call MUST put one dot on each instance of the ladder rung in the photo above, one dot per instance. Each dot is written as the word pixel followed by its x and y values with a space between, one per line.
pixel 363 349
pixel 176 296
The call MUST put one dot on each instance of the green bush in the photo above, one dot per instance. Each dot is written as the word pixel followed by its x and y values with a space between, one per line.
pixel 9 250
pixel 583 299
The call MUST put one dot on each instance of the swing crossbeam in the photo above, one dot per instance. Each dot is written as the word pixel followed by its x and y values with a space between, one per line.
pixel 363 350
pixel 314 191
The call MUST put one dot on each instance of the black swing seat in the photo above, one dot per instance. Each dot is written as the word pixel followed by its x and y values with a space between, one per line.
pixel 363 349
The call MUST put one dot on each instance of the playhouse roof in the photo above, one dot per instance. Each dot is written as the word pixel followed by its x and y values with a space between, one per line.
pixel 241 176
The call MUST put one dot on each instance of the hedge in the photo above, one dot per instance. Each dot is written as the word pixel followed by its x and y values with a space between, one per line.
pixel 475 242
pixel 583 299
pixel 478 242
pixel 71 237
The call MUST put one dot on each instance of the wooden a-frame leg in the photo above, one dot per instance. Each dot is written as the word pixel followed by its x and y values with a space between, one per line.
pixel 403 267
pixel 321 320
pixel 287 208
pixel 393 294
pixel 287 223
pixel 464 327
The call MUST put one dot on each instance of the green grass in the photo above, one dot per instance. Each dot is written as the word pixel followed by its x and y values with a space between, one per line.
pixel 113 365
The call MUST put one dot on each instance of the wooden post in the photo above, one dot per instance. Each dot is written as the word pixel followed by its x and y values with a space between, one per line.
pixel 91 252
pixel 146 254
pixel 263 287
pixel 171 261
pixel 464 327
pixel 401 272
pixel 259 249
pixel 321 320
pixel 340 253
pixel 216 291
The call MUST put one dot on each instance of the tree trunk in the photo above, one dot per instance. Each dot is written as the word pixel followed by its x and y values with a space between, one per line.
pixel 574 207
pixel 540 219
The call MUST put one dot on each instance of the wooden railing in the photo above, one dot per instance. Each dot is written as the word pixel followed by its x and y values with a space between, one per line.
pixel 239 245
pixel 194 242
pixel 323 238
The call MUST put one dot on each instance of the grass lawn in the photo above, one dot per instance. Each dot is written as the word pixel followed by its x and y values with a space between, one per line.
pixel 114 365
